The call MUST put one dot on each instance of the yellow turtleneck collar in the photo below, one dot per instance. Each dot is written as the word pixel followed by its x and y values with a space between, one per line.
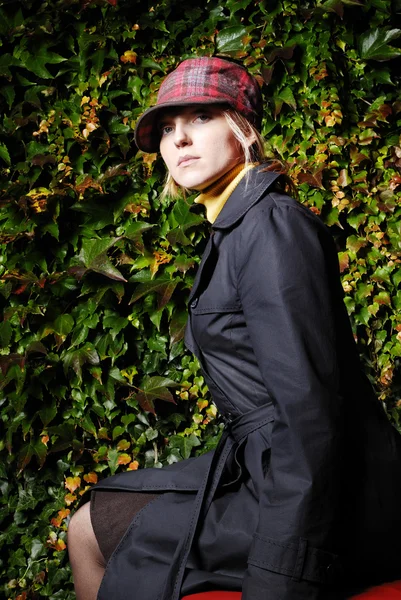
pixel 216 195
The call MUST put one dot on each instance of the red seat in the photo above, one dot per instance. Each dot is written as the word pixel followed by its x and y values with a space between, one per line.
pixel 387 591
pixel 214 596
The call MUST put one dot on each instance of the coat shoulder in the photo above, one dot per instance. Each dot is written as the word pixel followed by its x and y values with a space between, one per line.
pixel 281 205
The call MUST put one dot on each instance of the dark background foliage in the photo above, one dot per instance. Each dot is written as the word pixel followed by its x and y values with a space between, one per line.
pixel 95 269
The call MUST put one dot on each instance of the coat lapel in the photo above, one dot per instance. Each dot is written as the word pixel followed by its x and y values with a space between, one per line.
pixel 248 192
pixel 206 254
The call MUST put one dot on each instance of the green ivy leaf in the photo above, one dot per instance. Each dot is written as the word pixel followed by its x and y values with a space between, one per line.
pixel 75 359
pixel 163 286
pixel 184 444
pixel 36 62
pixel 6 61
pixel 4 154
pixel 6 332
pixel 32 448
pixel 154 388
pixel 8 92
pixel 287 96
pixel 63 325
pixel 177 326
pixel 117 127
pixel 93 248
pixel 112 459
pixel 48 413
pixel 374 44
pixel 94 257
pixel 230 39
pixel 88 425
pixel 181 216
pixel 134 233
pixel 397 278
pixel 363 316
pixel 337 6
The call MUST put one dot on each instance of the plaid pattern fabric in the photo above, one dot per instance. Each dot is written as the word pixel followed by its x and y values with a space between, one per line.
pixel 206 80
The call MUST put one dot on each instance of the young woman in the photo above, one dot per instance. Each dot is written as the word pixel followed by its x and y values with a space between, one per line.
pixel 301 499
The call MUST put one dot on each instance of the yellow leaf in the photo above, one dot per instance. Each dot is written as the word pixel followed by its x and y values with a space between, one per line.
pixel 123 445
pixel 69 499
pixel 38 192
pixel 129 56
pixel 202 404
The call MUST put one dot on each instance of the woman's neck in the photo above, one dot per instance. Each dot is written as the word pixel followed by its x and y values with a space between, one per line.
pixel 216 195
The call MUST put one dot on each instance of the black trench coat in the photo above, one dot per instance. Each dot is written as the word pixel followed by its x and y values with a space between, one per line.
pixel 302 497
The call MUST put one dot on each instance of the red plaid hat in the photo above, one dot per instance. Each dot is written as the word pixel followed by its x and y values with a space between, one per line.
pixel 206 80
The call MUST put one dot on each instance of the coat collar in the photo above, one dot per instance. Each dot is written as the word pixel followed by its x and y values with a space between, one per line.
pixel 248 192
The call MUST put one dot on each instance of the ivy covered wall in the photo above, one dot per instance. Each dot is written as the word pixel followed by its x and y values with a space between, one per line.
pixel 95 269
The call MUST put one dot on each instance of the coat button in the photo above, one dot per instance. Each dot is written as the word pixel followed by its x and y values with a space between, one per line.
pixel 194 303
pixel 334 572
pixel 228 417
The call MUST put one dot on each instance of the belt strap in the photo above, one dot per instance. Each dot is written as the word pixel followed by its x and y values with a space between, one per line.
pixel 233 434
pixel 245 424
pixel 299 561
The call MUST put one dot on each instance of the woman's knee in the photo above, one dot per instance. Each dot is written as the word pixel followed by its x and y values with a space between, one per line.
pixel 80 525
pixel 81 537
pixel 86 559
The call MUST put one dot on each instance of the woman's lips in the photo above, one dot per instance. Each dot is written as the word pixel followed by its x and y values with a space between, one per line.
pixel 185 161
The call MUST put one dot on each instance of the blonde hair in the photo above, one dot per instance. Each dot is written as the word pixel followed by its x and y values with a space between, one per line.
pixel 253 152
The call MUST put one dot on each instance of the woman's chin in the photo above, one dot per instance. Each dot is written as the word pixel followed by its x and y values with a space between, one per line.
pixel 193 184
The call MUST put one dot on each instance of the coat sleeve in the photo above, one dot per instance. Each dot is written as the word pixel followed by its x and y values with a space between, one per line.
pixel 285 287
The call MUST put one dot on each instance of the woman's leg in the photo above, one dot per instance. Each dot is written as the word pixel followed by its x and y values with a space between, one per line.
pixel 86 559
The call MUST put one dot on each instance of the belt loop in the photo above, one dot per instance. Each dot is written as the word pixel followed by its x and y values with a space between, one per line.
pixel 300 561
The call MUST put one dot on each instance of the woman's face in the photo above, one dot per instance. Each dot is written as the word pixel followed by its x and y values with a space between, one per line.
pixel 197 145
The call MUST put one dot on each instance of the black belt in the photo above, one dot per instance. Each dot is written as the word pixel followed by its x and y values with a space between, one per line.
pixel 234 433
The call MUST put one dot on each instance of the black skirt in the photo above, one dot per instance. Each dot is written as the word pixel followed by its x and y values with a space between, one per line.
pixel 111 513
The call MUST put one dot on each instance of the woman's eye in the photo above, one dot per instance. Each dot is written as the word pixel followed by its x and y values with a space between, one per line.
pixel 202 118
pixel 165 129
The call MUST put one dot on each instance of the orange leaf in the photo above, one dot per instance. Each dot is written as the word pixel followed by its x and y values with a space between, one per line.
pixel 72 483
pixel 61 515
pixel 20 289
pixel 88 183
pixel 40 577
pixel 343 260
pixel 124 459
pixel 54 542
pixel 91 477
pixel 60 545
pixel 133 466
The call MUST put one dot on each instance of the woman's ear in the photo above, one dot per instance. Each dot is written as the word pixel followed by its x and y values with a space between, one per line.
pixel 250 139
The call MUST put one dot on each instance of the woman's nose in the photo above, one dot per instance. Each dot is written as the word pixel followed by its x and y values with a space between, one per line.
pixel 181 136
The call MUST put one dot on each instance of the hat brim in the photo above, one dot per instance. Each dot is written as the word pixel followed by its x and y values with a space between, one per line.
pixel 147 135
